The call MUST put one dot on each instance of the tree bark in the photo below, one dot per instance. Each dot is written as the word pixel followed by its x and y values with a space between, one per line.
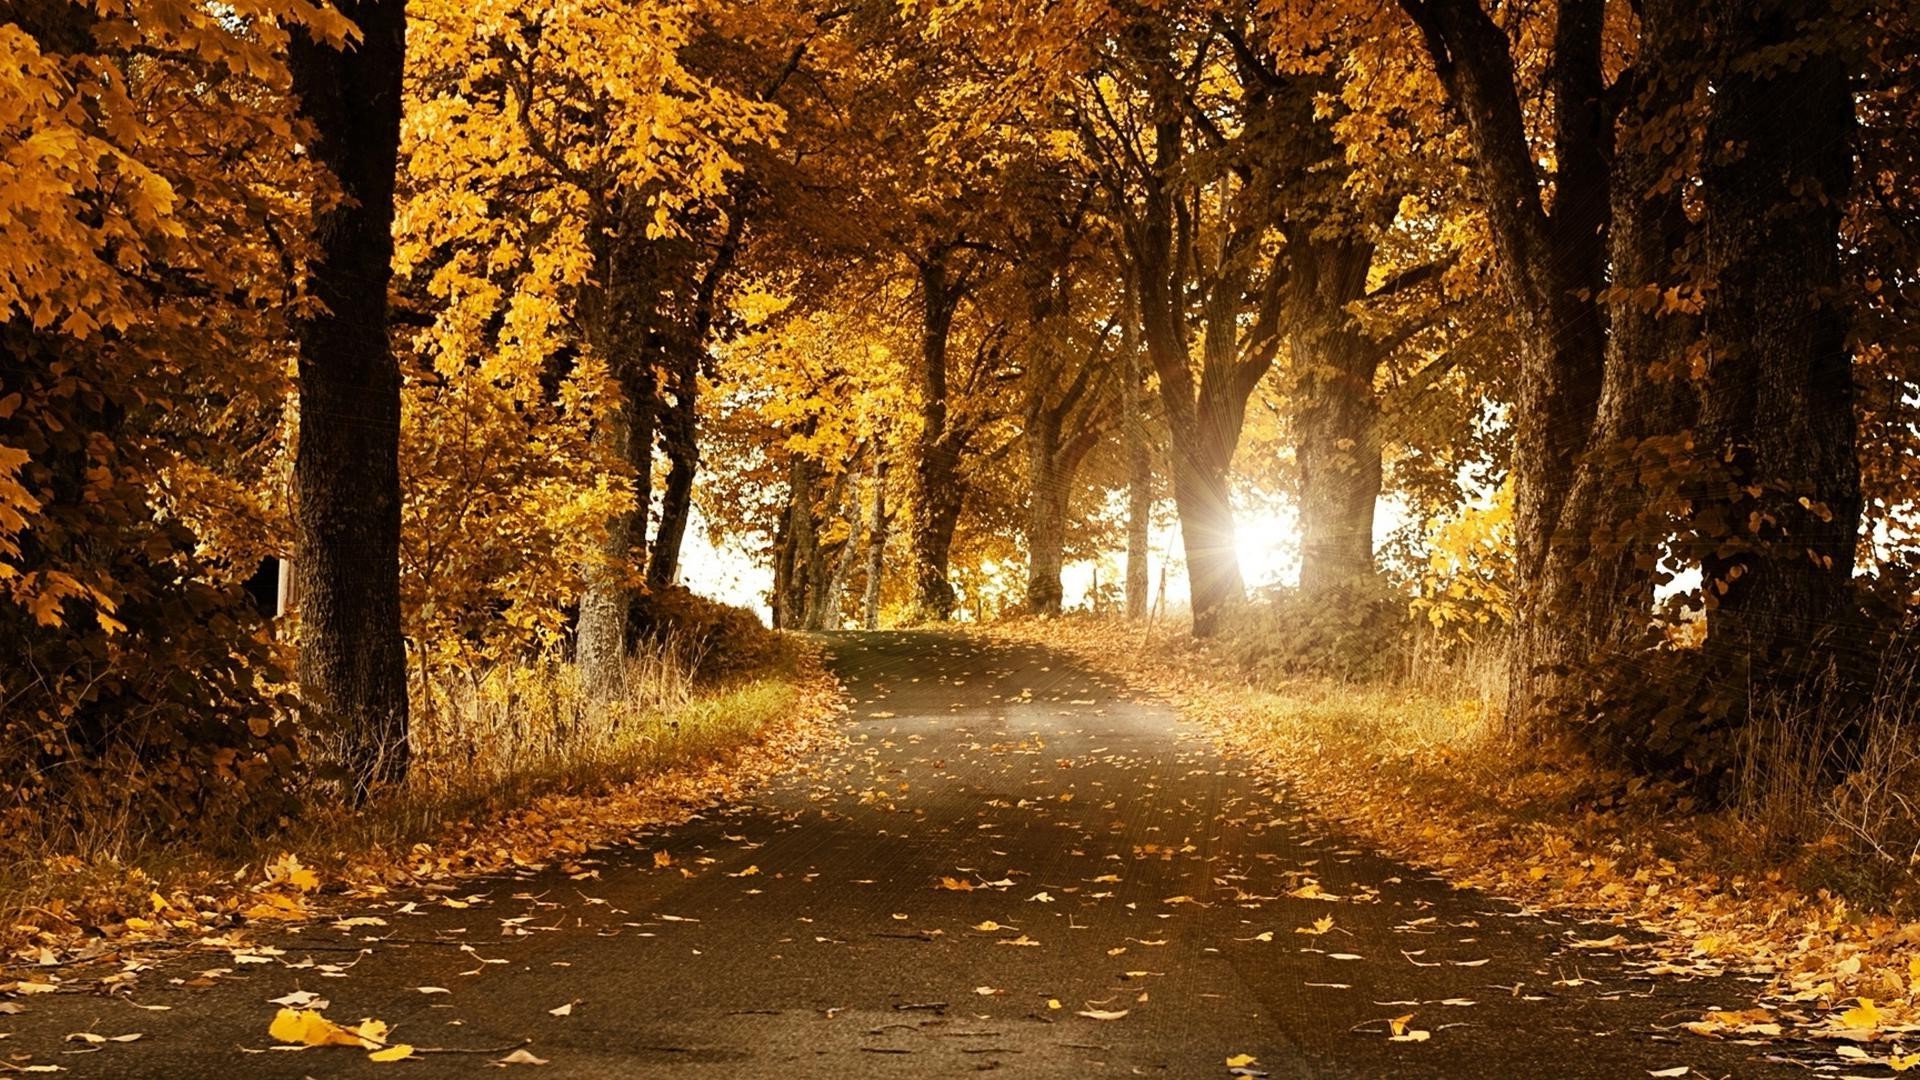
pixel 1552 267
pixel 679 436
pixel 1777 413
pixel 801 554
pixel 600 632
pixel 1600 565
pixel 937 495
pixel 1139 461
pixel 1207 535
pixel 1337 423
pixel 347 468
pixel 819 581
pixel 876 542
pixel 830 617
pixel 1046 513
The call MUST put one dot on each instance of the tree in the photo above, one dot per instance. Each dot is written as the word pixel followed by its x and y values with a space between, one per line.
pixel 151 237
pixel 1195 201
pixel 347 469
pixel 1633 428
pixel 552 198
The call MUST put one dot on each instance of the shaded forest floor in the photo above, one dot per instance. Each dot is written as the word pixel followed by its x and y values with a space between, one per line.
pixel 1429 777
pixel 534 802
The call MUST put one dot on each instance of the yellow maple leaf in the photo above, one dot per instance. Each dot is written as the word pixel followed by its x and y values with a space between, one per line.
pixel 396 1052
pixel 286 870
pixel 1864 1016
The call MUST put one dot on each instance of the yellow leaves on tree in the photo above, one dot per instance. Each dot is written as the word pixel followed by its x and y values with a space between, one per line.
pixel 1463 589
pixel 546 146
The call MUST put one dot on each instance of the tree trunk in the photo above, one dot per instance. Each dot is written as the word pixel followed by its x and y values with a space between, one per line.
pixel 1203 429
pixel 1600 563
pixel 801 553
pixel 1337 422
pixel 1777 412
pixel 622 435
pixel 1139 464
pixel 679 436
pixel 819 581
pixel 1200 490
pixel 347 468
pixel 1552 268
pixel 600 633
pixel 1046 514
pixel 936 488
pixel 830 615
pixel 876 542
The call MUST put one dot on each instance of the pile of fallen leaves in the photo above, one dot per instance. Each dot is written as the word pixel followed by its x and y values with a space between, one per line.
pixel 1830 971
pixel 113 913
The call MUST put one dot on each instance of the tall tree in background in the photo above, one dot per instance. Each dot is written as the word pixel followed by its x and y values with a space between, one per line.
pixel 347 468
pixel 1196 202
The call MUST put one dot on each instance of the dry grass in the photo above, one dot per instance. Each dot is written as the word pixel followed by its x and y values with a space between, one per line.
pixel 1829 783
pixel 488 745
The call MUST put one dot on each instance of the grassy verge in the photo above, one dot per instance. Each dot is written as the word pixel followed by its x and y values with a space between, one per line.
pixel 511 770
pixel 1425 773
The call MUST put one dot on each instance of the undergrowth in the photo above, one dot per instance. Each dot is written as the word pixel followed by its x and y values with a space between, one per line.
pixel 508 762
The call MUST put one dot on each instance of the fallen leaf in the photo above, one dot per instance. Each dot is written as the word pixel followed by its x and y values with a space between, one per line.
pixel 1865 1016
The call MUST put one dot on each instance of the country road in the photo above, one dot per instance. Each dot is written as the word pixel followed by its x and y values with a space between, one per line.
pixel 1010 868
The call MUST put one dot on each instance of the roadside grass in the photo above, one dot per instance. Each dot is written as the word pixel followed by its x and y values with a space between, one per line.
pixel 511 768
pixel 1423 769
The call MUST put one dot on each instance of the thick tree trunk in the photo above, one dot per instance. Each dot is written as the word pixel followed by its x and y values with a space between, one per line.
pixel 829 612
pixel 936 488
pixel 782 567
pixel 1200 491
pixel 1046 514
pixel 1552 268
pixel 1203 427
pixel 347 468
pixel 1599 569
pixel 819 581
pixel 876 544
pixel 624 432
pixel 1777 413
pixel 1337 422
pixel 679 436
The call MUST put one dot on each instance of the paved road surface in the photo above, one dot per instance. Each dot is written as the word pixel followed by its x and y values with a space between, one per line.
pixel 1131 870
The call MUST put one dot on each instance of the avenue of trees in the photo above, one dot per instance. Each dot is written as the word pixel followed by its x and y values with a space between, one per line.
pixel 465 307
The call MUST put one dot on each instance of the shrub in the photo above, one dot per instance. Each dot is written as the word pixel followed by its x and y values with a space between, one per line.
pixel 1361 633
pixel 719 640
